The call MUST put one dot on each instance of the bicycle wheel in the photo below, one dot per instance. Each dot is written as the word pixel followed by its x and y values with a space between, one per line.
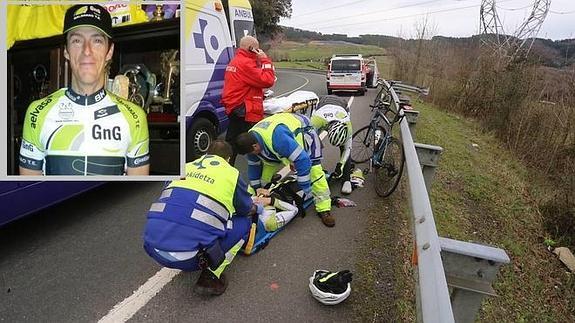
pixel 388 174
pixel 362 144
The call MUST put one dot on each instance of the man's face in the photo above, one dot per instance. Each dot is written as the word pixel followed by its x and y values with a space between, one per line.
pixel 257 149
pixel 87 50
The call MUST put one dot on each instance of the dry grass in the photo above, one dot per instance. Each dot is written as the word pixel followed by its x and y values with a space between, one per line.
pixel 524 192
pixel 530 108
pixel 483 193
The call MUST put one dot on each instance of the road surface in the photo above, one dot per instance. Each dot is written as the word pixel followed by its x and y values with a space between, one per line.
pixel 74 262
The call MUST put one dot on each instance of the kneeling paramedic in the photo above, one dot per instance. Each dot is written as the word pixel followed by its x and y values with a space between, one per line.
pixel 283 139
pixel 202 221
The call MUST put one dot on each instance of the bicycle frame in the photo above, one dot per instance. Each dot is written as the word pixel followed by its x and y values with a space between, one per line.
pixel 378 116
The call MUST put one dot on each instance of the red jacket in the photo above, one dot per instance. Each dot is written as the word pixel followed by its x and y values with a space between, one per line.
pixel 244 81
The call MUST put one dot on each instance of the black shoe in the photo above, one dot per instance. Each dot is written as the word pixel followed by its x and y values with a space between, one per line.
pixel 210 285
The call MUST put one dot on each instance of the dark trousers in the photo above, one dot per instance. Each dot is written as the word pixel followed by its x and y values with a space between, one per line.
pixel 240 230
pixel 346 176
pixel 236 126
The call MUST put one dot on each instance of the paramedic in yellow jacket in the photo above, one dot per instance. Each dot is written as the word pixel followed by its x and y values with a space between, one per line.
pixel 283 139
pixel 84 129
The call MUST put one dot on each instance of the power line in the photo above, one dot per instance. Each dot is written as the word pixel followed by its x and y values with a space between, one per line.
pixel 514 9
pixel 375 12
pixel 562 12
pixel 329 8
pixel 401 17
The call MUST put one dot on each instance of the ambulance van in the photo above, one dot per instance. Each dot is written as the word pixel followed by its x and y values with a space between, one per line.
pixel 212 32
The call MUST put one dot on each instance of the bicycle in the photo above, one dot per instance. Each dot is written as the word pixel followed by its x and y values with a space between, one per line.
pixel 376 143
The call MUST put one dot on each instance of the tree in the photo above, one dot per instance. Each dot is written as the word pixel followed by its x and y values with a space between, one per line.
pixel 267 14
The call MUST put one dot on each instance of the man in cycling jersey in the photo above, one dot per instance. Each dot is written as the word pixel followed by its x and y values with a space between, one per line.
pixel 333 116
pixel 84 129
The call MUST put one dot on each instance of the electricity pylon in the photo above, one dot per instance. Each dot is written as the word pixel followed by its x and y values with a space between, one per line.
pixel 514 44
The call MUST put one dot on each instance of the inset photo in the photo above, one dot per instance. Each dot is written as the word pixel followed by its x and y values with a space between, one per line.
pixel 93 89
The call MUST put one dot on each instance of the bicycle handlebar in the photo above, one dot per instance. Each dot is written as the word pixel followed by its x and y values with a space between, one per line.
pixel 381 104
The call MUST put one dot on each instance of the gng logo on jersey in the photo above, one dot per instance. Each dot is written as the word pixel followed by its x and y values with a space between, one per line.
pixel 101 133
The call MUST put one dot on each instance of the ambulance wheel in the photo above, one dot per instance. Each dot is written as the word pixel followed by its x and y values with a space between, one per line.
pixel 198 138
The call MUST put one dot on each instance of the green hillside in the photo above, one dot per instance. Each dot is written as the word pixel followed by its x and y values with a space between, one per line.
pixel 316 54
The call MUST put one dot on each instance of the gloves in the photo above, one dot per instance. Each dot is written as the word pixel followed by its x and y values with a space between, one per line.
pixel 338 171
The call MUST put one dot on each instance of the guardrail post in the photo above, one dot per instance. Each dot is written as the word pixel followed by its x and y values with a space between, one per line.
pixel 411 117
pixel 428 156
pixel 470 270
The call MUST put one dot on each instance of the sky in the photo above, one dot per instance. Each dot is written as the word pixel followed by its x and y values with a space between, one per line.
pixel 400 17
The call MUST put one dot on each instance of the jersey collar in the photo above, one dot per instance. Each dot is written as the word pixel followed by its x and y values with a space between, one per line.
pixel 86 99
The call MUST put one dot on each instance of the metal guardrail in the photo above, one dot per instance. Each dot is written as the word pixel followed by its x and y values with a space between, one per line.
pixel 398 85
pixel 432 291
pixel 453 277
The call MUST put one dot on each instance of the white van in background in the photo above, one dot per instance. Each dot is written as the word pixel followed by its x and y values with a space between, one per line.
pixel 212 32
pixel 346 73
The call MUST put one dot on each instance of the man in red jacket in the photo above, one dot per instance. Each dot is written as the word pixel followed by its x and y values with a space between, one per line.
pixel 247 75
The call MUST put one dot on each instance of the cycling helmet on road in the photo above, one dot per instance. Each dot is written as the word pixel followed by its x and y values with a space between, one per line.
pixel 330 288
pixel 337 133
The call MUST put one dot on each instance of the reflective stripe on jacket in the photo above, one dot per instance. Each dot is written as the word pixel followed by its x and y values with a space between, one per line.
pixel 194 212
pixel 244 82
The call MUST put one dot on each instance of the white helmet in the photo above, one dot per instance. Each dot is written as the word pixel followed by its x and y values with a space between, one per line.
pixel 337 133
pixel 330 288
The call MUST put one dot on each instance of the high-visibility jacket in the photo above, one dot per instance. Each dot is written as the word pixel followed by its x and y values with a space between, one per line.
pixel 193 212
pixel 286 138
pixel 244 82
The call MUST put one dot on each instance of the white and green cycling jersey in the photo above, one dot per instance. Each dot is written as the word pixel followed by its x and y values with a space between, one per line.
pixel 70 134
pixel 324 114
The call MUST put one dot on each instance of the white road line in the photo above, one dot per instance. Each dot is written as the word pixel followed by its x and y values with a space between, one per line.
pixel 124 310
pixel 306 82
pixel 349 103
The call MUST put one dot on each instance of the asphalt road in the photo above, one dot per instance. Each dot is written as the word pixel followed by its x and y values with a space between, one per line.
pixel 75 261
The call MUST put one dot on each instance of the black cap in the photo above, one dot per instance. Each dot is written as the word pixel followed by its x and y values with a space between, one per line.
pixel 91 15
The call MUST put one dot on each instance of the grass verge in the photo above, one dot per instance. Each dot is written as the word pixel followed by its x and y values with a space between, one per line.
pixel 385 285
pixel 481 193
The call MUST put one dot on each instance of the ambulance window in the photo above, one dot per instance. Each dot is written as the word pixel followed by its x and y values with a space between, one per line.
pixel 243 28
